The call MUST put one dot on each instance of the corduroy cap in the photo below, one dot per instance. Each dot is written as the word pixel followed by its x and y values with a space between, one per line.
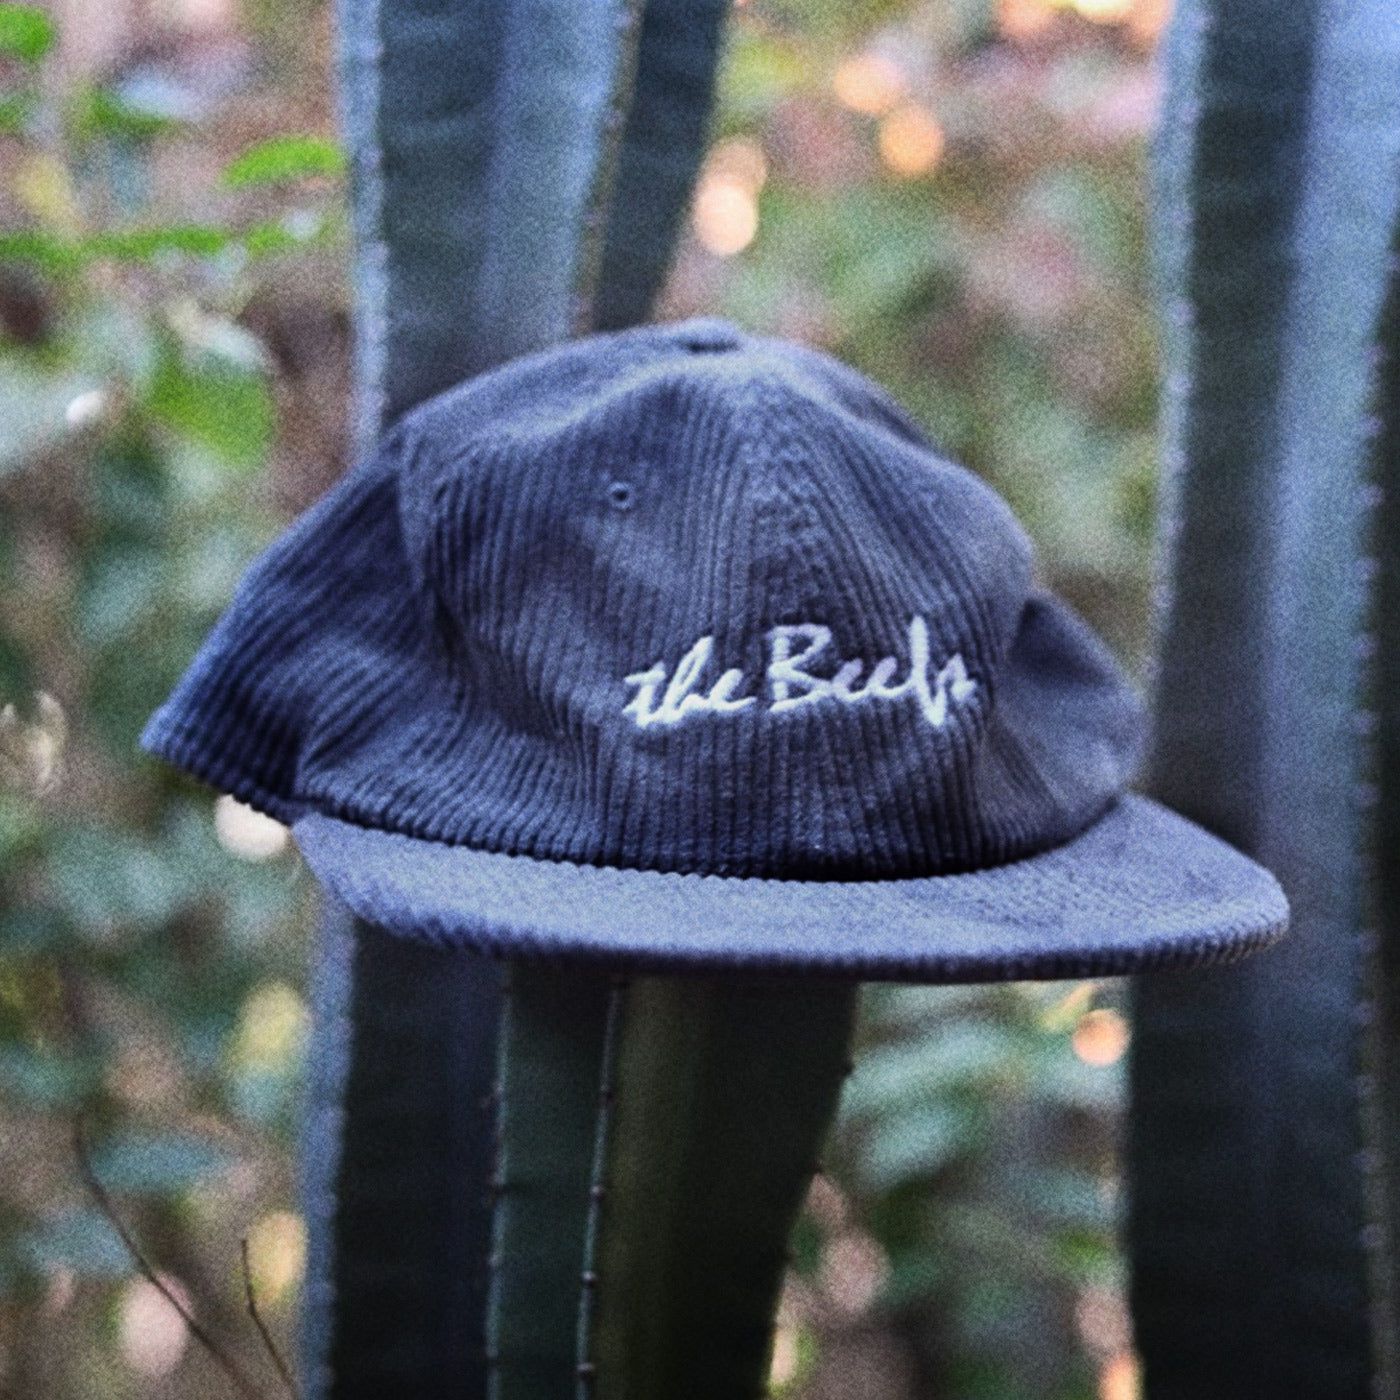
pixel 679 647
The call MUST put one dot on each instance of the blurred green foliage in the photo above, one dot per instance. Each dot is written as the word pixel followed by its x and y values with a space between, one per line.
pixel 26 32
pixel 976 1148
pixel 1000 294
pixel 139 415
pixel 172 339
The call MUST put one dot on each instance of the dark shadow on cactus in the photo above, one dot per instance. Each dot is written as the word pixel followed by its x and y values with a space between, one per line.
pixel 408 1216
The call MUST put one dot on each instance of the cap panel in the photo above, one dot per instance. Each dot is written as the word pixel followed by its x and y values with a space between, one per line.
pixel 1065 736
pixel 636 604
pixel 309 659
pixel 843 389
pixel 716 458
pixel 1064 698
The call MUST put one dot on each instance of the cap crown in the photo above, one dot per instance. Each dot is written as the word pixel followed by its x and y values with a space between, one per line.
pixel 675 599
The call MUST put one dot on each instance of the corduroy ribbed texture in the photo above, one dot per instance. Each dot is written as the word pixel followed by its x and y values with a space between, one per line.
pixel 442 647
pixel 681 649
pixel 1142 890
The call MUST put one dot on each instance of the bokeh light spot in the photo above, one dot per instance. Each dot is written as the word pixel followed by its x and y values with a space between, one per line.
pixel 245 833
pixel 911 141
pixel 1100 1037
pixel 1101 1315
pixel 86 408
pixel 853 1270
pixel 869 82
pixel 1120 1378
pixel 1147 19
pixel 1104 11
pixel 1025 19
pixel 272 1029
pixel 740 161
pixel 276 1255
pixel 725 216
pixel 782 1370
pixel 152 1334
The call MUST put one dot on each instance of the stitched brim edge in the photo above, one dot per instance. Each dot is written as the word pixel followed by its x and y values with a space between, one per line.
pixel 1141 890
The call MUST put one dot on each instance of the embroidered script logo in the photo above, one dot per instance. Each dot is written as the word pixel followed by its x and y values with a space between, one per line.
pixel 791 650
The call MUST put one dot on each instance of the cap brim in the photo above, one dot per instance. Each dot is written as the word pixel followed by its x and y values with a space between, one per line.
pixel 1141 889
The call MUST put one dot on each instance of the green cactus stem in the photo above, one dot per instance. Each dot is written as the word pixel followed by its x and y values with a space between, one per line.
pixel 1253 1197
pixel 721 1097
pixel 662 147
pixel 397 1151
pixel 553 1044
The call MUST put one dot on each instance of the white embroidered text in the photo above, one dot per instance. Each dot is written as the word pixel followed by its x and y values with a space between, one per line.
pixel 668 698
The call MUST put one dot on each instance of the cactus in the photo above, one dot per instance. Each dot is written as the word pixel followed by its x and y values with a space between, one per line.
pixel 554 1060
pixel 397 1150
pixel 512 184
pixel 1259 1213
pixel 662 144
pixel 722 1093
pixel 657 1137
pixel 1384 906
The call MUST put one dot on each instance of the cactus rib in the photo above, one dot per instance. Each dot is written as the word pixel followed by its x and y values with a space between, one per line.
pixel 553 1041
pixel 724 1091
pixel 1276 201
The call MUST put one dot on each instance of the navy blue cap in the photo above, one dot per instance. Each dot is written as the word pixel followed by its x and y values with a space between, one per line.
pixel 681 648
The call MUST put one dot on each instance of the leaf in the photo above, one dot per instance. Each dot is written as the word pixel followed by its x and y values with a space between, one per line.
pixel 896 1077
pixel 763 67
pixel 26 32
pixel 143 244
pixel 60 255
pixel 264 1097
pixel 284 158
pixel 49 251
pixel 1064 1078
pixel 224 407
pixel 100 111
pixel 912 1145
pixel 112 339
pixel 125 683
pixel 44 1081
pixel 27 930
pixel 1068 1197
pixel 121 587
pixel 81 1239
pixel 15 109
pixel 108 882
pixel 157 1163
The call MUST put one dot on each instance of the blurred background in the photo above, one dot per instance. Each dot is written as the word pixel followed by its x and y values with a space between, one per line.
pixel 947 193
